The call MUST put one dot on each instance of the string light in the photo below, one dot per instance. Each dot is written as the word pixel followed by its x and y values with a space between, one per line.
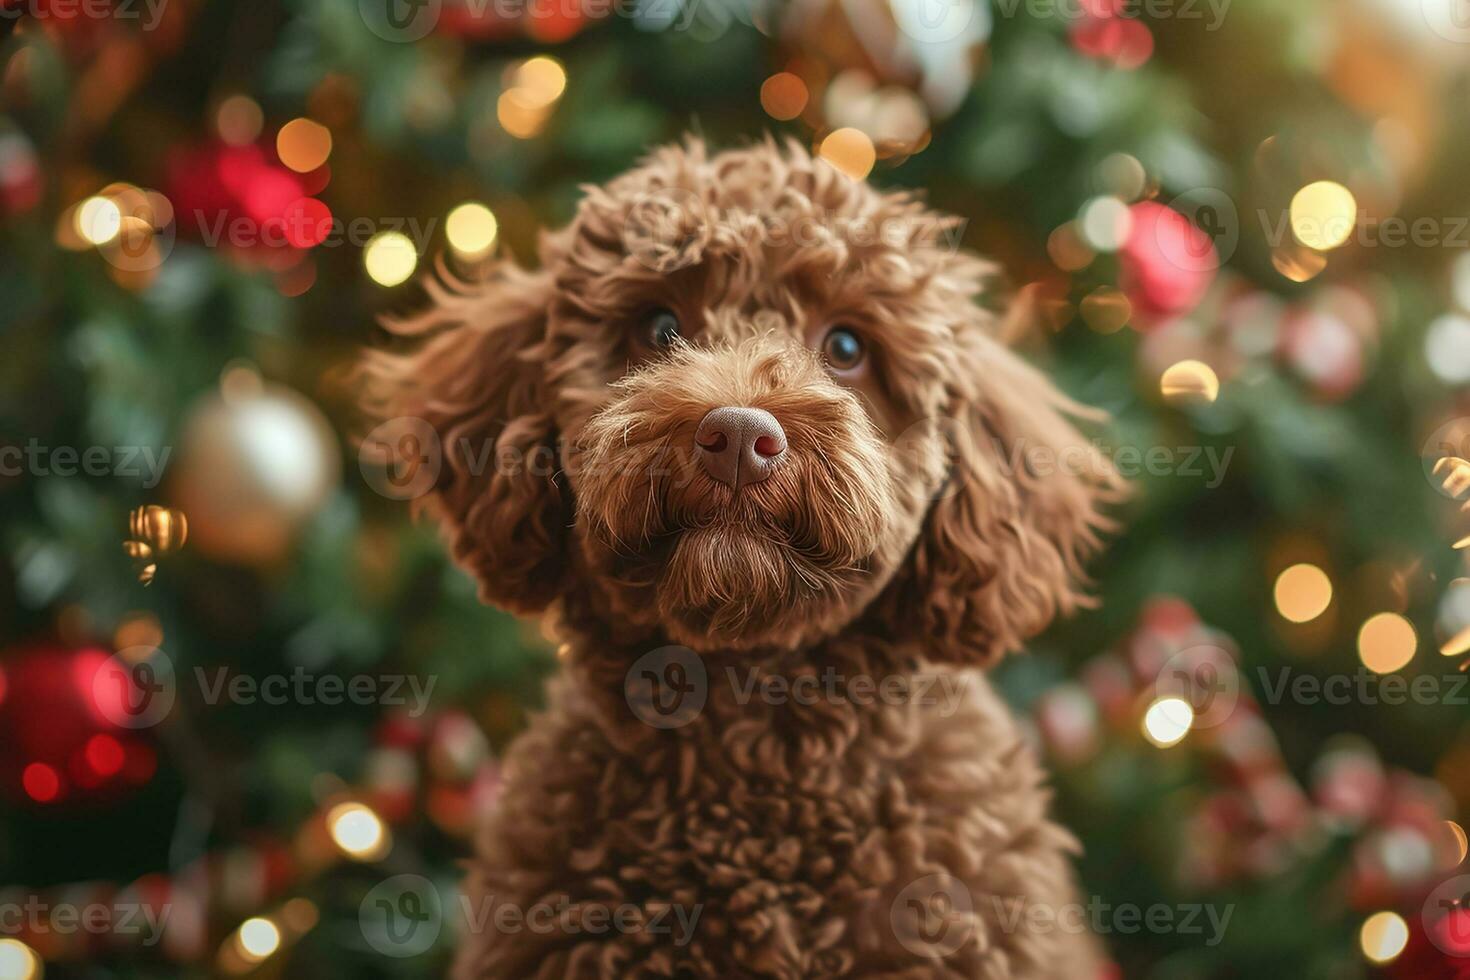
pixel 850 151
pixel 1167 721
pixel 471 229
pixel 18 961
pixel 390 258
pixel 1323 215
pixel 357 831
pixel 304 145
pixel 1457 645
pixel 1383 937
pixel 1190 381
pixel 258 938
pixel 1386 643
pixel 1303 592
pixel 99 220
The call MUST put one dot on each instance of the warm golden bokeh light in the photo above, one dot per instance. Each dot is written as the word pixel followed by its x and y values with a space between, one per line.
pixel 1383 936
pixel 1190 381
pixel 1303 592
pixel 18 961
pixel 304 145
pixel 1386 643
pixel 99 220
pixel 518 117
pixel 471 229
pixel 540 81
pixel 783 95
pixel 1323 215
pixel 850 151
pixel 1167 721
pixel 258 938
pixel 390 258
pixel 358 831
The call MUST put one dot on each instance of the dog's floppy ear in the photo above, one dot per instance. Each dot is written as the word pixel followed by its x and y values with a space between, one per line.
pixel 473 372
pixel 1002 549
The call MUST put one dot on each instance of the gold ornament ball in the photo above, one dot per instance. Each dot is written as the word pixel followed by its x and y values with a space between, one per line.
pixel 253 467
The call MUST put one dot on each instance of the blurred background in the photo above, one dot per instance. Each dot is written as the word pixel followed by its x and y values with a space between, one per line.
pixel 240 688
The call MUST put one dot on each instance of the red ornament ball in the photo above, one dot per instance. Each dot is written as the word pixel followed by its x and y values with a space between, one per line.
pixel 62 745
pixel 1167 263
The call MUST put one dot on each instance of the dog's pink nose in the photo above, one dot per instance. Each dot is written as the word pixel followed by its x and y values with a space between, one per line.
pixel 740 446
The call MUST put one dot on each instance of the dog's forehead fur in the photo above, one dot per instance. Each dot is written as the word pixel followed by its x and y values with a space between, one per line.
pixel 755 240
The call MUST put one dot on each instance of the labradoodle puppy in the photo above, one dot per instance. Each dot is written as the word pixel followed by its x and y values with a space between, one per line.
pixel 750 440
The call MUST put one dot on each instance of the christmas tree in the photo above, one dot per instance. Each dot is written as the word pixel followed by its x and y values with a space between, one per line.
pixel 1243 226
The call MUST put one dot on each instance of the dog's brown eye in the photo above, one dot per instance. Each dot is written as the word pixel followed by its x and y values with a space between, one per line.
pixel 661 328
pixel 843 349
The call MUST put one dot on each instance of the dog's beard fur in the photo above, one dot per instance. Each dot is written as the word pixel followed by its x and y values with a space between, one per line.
pixel 772 564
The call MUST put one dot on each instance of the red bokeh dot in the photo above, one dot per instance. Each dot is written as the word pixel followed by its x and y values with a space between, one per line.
pixel 308 222
pixel 41 782
pixel 104 755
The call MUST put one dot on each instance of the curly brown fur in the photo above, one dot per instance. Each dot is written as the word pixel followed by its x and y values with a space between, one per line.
pixel 905 538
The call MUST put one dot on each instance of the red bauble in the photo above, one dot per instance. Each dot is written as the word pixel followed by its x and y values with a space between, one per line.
pixel 61 747
pixel 243 200
pixel 1167 263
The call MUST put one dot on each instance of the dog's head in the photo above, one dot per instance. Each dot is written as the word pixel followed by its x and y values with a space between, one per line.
pixel 744 401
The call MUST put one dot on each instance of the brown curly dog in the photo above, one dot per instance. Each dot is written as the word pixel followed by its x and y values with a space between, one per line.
pixel 761 455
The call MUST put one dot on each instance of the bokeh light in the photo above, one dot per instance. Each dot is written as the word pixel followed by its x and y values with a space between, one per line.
pixel 98 220
pixel 1167 721
pixel 784 95
pixel 258 938
pixel 1323 215
pixel 304 145
pixel 1105 223
pixel 471 229
pixel 239 120
pixel 850 151
pixel 358 831
pixel 1303 592
pixel 18 961
pixel 390 258
pixel 1383 936
pixel 1190 381
pixel 1386 643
